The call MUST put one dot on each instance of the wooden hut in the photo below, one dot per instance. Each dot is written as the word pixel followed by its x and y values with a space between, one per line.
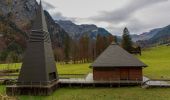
pixel 116 64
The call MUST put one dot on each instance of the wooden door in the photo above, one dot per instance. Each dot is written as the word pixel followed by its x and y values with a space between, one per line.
pixel 124 74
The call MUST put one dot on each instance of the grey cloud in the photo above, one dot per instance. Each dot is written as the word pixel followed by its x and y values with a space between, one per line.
pixel 114 30
pixel 52 10
pixel 47 5
pixel 126 12
pixel 134 25
pixel 58 16
pixel 125 15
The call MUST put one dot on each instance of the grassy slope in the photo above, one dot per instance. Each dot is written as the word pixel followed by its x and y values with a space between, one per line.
pixel 158 61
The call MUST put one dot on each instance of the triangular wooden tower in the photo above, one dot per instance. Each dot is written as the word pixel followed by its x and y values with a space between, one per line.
pixel 38 75
pixel 38 64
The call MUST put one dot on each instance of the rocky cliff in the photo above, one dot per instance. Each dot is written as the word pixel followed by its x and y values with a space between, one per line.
pixel 22 14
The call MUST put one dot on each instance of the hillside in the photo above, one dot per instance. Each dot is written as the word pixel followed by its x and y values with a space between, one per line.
pixel 57 33
pixel 16 19
pixel 22 14
pixel 158 60
pixel 153 37
pixel 163 36
pixel 145 35
pixel 12 39
pixel 76 31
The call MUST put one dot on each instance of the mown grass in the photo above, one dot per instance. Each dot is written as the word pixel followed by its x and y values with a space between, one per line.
pixel 62 68
pixel 158 61
pixel 2 89
pixel 74 68
pixel 121 93
pixel 10 66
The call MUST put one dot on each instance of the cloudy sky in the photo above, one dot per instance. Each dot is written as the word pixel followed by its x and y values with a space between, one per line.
pixel 138 15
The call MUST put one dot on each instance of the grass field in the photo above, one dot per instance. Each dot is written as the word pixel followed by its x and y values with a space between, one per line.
pixel 157 59
pixel 62 68
pixel 124 93
pixel 74 68
pixel 121 93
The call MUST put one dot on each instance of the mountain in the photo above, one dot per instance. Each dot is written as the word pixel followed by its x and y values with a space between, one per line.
pixel 153 37
pixel 145 35
pixel 57 33
pixel 22 14
pixel 12 40
pixel 93 33
pixel 162 37
pixel 76 31
pixel 16 19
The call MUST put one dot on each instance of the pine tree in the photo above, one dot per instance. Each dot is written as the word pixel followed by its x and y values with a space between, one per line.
pixel 126 40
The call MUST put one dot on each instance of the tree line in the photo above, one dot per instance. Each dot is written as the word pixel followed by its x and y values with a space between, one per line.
pixel 86 49
pixel 82 50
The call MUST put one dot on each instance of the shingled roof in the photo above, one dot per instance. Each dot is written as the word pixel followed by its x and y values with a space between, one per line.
pixel 115 56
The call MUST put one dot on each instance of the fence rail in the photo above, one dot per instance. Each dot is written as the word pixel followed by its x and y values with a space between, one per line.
pixel 156 83
pixel 68 76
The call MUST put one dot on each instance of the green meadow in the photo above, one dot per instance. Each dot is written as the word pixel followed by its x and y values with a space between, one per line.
pixel 62 68
pixel 74 68
pixel 157 59
pixel 125 93
pixel 117 93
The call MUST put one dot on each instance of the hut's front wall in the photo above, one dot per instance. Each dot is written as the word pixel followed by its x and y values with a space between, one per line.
pixel 115 74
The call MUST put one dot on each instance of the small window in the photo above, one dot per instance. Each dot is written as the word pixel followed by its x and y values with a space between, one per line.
pixel 52 76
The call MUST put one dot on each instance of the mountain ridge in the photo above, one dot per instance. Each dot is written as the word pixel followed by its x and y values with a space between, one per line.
pixel 145 35
pixel 153 37
pixel 76 31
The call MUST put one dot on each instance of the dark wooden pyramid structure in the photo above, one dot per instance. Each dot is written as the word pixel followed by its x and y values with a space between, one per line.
pixel 38 64
pixel 38 73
